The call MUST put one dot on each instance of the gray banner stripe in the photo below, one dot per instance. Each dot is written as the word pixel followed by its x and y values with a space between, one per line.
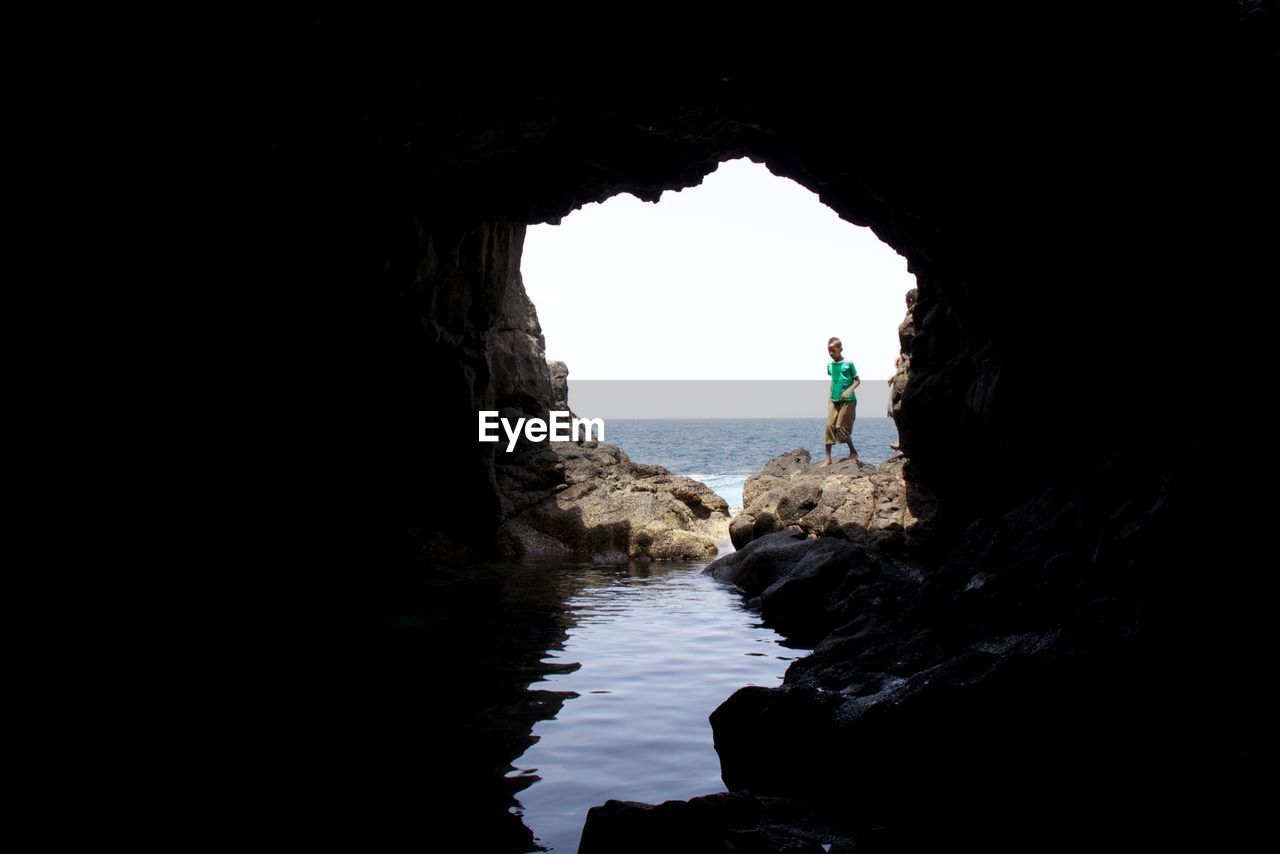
pixel 717 398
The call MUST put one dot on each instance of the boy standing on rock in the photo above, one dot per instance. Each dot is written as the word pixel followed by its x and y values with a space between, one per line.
pixel 843 404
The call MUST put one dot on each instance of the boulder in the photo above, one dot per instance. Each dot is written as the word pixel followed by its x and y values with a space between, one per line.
pixel 590 498
pixel 725 821
pixel 848 500
pixel 806 587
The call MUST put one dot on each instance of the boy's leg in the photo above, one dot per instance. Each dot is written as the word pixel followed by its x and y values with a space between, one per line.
pixel 852 406
pixel 840 427
pixel 830 433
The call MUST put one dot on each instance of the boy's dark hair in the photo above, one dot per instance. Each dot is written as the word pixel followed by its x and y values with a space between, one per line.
pixel 834 340
pixel 911 296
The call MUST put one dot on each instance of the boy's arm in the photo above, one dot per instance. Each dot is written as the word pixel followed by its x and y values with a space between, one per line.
pixel 847 394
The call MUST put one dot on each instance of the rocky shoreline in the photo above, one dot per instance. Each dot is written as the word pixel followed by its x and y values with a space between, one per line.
pixel 587 498
pixel 884 506
pixel 1010 672
pixel 964 654
pixel 592 499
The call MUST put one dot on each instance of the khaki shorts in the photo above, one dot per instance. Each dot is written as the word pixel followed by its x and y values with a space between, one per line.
pixel 839 420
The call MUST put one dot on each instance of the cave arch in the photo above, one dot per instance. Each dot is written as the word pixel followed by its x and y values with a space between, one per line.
pixel 407 250
pixel 999 359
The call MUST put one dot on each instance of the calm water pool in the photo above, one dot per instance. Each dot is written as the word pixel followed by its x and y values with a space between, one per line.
pixel 649 652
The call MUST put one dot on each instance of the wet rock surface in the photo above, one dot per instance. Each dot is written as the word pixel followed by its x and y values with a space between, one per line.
pixel 806 588
pixel 1039 667
pixel 720 822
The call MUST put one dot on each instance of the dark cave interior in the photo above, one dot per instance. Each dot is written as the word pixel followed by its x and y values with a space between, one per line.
pixel 1086 224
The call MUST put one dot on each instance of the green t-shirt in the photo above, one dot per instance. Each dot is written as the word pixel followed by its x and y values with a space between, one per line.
pixel 842 374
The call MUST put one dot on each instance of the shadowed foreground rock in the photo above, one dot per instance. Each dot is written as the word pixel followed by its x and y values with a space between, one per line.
pixel 1040 672
pixel 806 587
pixel 720 822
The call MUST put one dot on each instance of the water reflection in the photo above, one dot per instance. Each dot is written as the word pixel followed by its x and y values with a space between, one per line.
pixel 535 689
pixel 648 652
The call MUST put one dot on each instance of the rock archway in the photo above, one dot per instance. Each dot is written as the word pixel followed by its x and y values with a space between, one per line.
pixel 1075 214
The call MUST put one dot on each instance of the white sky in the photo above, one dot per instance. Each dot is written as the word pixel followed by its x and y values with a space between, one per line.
pixel 745 276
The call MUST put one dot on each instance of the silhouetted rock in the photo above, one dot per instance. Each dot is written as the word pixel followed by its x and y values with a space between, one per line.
pixel 719 822
pixel 807 587
pixel 902 367
pixel 1008 673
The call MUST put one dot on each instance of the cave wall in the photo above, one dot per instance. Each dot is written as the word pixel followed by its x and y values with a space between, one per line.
pixel 1051 225
pixel 518 352
pixel 1088 217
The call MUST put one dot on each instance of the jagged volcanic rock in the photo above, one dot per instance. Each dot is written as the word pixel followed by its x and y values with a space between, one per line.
pixel 591 498
pixel 850 500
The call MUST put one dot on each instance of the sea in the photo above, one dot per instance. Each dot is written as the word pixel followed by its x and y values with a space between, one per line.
pixel 724 452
